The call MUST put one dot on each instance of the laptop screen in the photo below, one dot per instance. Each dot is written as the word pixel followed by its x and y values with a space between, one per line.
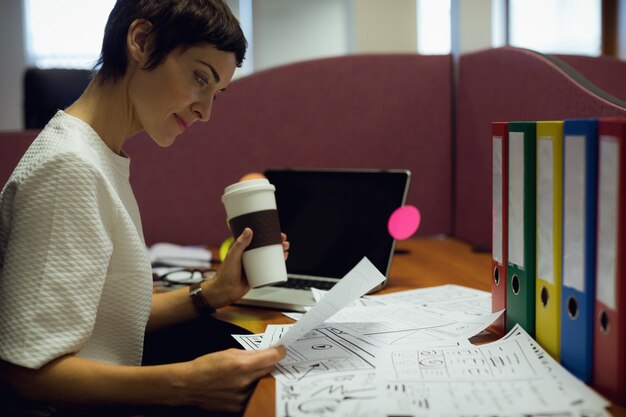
pixel 333 218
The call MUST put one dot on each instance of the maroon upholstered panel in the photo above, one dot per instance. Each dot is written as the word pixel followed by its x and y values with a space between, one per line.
pixel 506 84
pixel 12 147
pixel 374 111
pixel 606 73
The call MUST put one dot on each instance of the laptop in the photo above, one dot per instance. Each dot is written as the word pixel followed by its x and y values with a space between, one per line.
pixel 332 218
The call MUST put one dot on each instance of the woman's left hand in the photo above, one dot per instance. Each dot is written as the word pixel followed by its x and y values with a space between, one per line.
pixel 230 283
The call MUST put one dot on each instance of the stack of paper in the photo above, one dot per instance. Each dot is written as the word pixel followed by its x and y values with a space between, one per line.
pixel 171 255
pixel 408 354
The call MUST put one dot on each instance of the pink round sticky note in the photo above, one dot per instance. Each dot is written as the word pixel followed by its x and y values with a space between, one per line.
pixel 403 222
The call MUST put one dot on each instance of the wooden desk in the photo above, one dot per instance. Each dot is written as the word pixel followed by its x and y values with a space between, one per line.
pixel 423 262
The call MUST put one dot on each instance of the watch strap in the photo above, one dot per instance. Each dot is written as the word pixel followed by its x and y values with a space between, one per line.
pixel 199 300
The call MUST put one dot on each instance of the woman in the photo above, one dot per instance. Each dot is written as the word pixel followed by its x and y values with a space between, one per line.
pixel 75 281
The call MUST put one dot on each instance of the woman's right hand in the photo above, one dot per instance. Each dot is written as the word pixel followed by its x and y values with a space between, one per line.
pixel 224 380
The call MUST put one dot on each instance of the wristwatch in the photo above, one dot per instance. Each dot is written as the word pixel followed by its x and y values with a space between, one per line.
pixel 199 300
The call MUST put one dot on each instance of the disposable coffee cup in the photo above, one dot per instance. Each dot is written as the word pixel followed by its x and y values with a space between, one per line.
pixel 252 204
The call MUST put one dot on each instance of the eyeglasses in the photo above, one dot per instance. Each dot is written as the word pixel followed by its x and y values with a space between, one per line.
pixel 181 276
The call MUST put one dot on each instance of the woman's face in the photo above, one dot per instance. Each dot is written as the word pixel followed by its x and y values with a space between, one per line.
pixel 180 91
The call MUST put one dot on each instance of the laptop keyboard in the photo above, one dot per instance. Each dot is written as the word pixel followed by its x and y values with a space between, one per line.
pixel 305 284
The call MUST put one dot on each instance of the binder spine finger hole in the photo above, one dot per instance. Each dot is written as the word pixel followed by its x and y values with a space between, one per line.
pixel 604 322
pixel 545 296
pixel 515 284
pixel 496 276
pixel 572 308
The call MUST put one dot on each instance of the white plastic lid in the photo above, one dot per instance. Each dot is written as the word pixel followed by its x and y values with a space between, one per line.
pixel 248 186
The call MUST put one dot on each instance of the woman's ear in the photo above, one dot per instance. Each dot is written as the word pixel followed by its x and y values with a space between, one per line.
pixel 138 40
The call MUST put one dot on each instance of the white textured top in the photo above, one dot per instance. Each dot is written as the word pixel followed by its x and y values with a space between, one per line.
pixel 74 274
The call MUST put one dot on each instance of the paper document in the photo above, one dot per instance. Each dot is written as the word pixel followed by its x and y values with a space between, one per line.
pixel 511 376
pixel 407 354
pixel 249 341
pixel 401 325
pixel 362 278
pixel 273 334
pixel 451 298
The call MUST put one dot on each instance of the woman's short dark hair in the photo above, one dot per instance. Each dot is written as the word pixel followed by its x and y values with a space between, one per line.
pixel 175 24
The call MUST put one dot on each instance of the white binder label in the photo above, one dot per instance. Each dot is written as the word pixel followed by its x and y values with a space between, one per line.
pixel 545 209
pixel 496 205
pixel 516 198
pixel 574 213
pixel 608 186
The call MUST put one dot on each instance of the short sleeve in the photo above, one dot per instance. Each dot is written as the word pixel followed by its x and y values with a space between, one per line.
pixel 62 218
